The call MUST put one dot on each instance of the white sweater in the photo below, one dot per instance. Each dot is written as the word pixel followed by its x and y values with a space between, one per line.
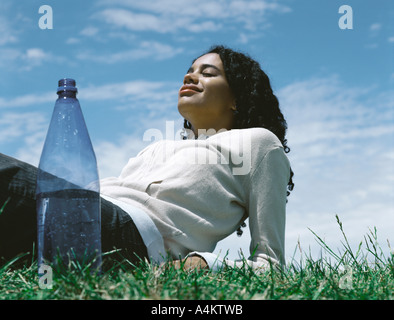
pixel 198 192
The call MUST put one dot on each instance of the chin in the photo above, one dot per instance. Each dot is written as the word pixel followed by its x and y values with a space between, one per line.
pixel 186 109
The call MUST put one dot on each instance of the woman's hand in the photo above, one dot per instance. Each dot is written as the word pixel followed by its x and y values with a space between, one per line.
pixel 191 263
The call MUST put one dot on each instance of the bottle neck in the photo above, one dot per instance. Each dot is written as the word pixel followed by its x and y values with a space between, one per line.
pixel 67 94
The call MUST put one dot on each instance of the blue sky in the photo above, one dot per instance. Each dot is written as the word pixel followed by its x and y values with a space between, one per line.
pixel 335 87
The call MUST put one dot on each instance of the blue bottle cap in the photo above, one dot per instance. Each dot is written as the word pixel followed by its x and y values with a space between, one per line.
pixel 66 84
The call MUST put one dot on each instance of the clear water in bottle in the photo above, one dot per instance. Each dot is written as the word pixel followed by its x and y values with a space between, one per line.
pixel 68 226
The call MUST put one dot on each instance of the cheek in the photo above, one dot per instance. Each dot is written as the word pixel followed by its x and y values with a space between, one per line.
pixel 216 86
pixel 222 94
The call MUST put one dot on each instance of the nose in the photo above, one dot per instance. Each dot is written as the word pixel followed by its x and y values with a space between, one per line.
pixel 190 78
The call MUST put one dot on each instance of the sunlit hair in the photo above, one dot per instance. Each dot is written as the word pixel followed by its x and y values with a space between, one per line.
pixel 256 104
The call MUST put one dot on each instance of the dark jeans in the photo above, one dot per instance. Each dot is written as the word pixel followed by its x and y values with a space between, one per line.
pixel 18 218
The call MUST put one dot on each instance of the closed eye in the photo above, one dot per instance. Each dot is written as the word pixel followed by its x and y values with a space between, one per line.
pixel 203 69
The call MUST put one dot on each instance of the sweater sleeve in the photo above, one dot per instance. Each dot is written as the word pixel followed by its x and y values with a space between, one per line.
pixel 267 215
pixel 267 209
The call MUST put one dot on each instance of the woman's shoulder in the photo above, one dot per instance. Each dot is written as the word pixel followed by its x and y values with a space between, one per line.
pixel 264 135
pixel 255 143
pixel 258 137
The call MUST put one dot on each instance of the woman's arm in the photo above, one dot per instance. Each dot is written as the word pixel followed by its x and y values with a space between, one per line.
pixel 267 209
pixel 267 216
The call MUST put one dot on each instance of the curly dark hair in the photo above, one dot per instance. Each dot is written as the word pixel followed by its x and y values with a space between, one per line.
pixel 256 104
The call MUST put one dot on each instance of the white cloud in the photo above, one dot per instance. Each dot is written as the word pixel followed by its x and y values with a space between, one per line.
pixel 375 26
pixel 145 50
pixel 28 130
pixel 150 22
pixel 36 55
pixel 89 31
pixel 165 16
pixel 133 91
pixel 123 92
pixel 8 56
pixel 26 59
pixel 7 36
pixel 27 100
pixel 205 8
pixel 73 40
pixel 132 21
pixel 8 32
pixel 324 109
pixel 113 156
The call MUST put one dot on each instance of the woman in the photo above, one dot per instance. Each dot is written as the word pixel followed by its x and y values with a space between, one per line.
pixel 181 197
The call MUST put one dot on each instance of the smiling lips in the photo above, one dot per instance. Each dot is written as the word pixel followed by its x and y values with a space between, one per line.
pixel 189 89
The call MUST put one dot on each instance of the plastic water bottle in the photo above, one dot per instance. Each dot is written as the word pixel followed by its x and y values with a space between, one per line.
pixel 68 189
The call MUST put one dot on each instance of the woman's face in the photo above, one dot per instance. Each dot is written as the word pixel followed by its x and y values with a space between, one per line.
pixel 205 99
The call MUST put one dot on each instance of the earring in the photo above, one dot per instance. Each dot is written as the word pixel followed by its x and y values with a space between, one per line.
pixel 186 134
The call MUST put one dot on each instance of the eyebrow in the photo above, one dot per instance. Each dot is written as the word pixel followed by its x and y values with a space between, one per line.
pixel 204 66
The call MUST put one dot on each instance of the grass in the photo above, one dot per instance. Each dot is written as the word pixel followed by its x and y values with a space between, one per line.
pixel 364 274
